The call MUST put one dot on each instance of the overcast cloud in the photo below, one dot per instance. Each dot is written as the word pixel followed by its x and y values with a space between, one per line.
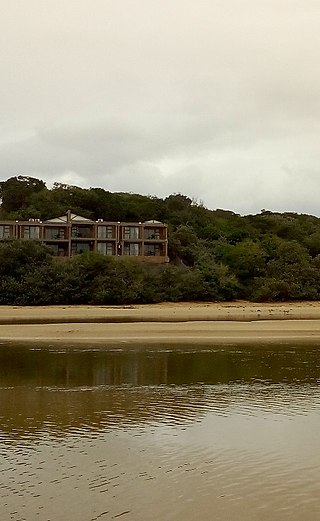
pixel 215 99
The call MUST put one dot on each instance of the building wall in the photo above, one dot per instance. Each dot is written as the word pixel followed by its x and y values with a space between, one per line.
pixel 71 235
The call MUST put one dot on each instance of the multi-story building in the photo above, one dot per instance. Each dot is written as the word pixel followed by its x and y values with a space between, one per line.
pixel 72 234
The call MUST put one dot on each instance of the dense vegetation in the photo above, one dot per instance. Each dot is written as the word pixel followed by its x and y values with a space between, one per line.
pixel 214 255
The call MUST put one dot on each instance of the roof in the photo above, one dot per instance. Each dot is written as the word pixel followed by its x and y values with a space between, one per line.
pixel 69 217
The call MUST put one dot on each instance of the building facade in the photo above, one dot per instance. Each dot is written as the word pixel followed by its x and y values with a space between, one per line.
pixel 72 234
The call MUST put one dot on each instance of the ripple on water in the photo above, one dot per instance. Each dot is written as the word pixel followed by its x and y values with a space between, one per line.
pixel 241 448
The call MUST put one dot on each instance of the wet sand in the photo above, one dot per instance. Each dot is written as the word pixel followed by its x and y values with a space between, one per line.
pixel 166 323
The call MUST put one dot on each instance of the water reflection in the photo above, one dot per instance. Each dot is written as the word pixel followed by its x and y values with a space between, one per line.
pixel 160 434
pixel 73 388
pixel 70 368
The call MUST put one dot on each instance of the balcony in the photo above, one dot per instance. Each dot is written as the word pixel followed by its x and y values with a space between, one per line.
pixel 30 232
pixel 82 232
pixel 106 232
pixel 6 231
pixel 55 233
pixel 81 247
pixel 131 233
pixel 154 234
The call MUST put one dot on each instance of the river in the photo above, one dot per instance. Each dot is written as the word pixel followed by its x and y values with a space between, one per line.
pixel 159 433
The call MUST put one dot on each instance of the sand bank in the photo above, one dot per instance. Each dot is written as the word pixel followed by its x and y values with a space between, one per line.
pixel 183 323
pixel 165 312
pixel 166 333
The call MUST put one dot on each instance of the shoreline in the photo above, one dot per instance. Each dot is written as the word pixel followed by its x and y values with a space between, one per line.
pixel 237 311
pixel 166 323
pixel 192 333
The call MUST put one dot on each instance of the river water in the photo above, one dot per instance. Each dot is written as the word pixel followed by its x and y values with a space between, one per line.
pixel 156 433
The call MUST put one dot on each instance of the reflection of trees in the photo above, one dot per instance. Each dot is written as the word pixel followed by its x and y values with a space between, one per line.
pixel 74 368
pixel 101 390
pixel 23 366
pixel 28 410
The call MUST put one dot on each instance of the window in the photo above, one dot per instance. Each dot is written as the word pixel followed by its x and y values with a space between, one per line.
pixel 152 233
pixel 152 249
pixel 105 232
pixel 105 248
pixel 4 231
pixel 54 233
pixel 131 232
pixel 31 232
pixel 59 250
pixel 81 231
pixel 80 247
pixel 131 249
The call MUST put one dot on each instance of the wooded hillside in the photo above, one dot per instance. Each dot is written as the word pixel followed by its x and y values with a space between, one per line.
pixel 214 254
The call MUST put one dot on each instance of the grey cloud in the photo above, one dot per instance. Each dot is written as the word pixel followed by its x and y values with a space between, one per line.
pixel 218 100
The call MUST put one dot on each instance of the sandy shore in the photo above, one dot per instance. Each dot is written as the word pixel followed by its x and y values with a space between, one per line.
pixel 165 312
pixel 183 323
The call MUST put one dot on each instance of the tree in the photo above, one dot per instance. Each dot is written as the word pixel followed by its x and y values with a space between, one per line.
pixel 18 257
pixel 246 259
pixel 16 192
pixel 290 275
pixel 183 245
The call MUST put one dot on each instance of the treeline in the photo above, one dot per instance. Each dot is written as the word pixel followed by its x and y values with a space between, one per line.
pixel 214 255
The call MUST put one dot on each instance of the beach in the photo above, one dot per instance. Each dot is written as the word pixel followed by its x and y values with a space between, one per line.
pixel 165 323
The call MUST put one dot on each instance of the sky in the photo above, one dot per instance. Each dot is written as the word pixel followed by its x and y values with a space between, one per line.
pixel 216 99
